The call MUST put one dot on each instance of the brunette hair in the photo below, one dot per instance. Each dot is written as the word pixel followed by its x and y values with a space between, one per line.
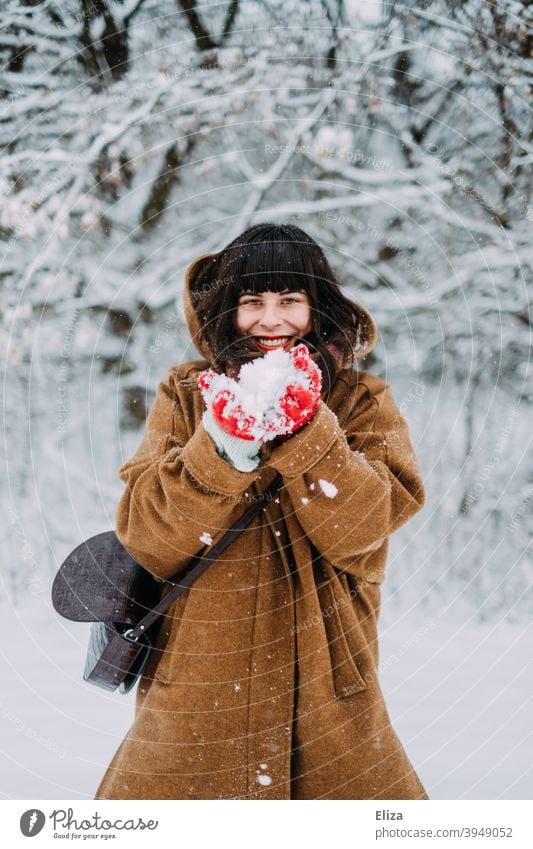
pixel 275 257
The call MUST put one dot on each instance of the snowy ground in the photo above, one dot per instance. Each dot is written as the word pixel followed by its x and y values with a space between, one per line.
pixel 459 695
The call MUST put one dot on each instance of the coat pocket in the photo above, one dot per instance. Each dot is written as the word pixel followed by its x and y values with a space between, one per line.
pixel 336 611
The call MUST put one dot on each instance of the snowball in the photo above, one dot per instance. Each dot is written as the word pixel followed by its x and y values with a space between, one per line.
pixel 259 389
pixel 328 488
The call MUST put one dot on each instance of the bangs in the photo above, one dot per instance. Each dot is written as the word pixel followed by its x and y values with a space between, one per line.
pixel 269 264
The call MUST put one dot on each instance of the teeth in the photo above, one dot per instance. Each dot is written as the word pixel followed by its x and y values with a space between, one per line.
pixel 273 343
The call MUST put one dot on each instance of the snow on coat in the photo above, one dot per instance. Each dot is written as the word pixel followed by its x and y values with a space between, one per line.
pixel 263 683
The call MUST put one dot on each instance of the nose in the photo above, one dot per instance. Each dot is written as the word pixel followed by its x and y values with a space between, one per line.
pixel 270 317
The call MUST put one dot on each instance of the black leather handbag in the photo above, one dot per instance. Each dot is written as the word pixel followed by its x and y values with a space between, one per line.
pixel 100 582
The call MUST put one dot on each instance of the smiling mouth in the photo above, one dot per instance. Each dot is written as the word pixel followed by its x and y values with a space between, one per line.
pixel 268 343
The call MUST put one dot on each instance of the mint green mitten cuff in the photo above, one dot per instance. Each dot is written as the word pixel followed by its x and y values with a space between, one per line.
pixel 242 454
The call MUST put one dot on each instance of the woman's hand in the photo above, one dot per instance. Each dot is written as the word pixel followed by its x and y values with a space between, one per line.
pixel 250 410
pixel 228 425
pixel 225 410
pixel 299 402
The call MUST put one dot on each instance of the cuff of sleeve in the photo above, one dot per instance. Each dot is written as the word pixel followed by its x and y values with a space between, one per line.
pixel 203 462
pixel 300 453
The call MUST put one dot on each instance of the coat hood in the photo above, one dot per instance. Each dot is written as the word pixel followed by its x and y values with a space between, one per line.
pixel 194 275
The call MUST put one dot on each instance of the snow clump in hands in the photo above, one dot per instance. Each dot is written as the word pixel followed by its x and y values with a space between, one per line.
pixel 276 394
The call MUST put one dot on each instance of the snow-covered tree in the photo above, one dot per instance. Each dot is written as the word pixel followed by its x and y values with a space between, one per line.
pixel 138 134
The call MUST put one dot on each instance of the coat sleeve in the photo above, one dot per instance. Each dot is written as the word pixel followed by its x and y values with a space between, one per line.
pixel 352 486
pixel 177 489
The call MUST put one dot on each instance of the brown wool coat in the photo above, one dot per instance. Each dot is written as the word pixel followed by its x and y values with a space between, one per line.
pixel 264 683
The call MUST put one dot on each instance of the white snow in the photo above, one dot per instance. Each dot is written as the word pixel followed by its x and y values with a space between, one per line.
pixel 328 488
pixel 458 693
pixel 369 11
pixel 305 501
pixel 206 538
pixel 258 391
pixel 329 141
pixel 265 780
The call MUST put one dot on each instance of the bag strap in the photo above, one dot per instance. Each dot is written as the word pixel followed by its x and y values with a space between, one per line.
pixel 200 563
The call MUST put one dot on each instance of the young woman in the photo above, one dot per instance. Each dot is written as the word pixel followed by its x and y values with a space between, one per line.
pixel 263 682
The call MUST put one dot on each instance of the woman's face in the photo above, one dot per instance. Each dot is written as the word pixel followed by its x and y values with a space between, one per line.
pixel 273 319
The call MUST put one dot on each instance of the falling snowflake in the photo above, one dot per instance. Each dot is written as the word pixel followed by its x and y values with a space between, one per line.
pixel 305 501
pixel 206 538
pixel 328 488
